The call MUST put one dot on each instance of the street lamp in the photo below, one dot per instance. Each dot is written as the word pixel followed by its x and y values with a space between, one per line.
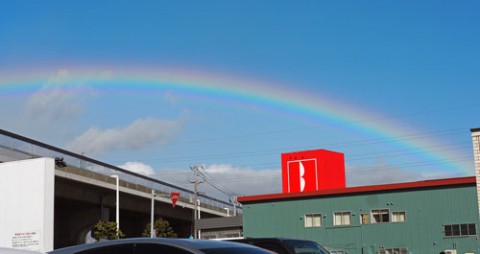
pixel 152 223
pixel 117 213
pixel 199 207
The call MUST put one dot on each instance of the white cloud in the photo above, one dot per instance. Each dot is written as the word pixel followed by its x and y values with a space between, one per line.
pixel 232 180
pixel 58 100
pixel 379 174
pixel 139 134
pixel 245 181
pixel 138 167
pixel 170 97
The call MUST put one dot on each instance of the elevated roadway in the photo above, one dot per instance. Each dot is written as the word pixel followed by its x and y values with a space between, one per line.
pixel 85 192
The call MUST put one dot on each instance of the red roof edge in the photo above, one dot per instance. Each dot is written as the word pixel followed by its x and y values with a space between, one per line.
pixel 361 189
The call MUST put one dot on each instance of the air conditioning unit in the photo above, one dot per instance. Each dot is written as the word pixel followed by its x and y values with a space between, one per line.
pixel 450 251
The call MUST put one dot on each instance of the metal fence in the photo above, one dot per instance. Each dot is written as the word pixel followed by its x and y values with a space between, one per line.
pixel 20 147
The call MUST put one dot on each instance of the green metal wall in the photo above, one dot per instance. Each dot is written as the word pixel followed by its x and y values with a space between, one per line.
pixel 427 210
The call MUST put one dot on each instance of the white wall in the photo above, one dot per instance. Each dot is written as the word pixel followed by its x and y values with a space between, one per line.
pixel 27 204
pixel 476 160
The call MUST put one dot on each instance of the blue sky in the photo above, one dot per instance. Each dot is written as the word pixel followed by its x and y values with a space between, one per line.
pixel 409 65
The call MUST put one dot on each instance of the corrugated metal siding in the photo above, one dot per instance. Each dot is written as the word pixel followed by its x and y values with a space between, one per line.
pixel 221 222
pixel 427 210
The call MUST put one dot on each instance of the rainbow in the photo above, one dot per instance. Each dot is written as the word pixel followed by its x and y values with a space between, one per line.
pixel 230 88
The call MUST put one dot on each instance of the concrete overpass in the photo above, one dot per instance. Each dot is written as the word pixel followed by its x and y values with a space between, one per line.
pixel 85 192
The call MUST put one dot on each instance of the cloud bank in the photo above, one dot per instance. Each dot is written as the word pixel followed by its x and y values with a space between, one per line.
pixel 138 167
pixel 224 180
pixel 139 134
pixel 244 180
pixel 380 174
pixel 59 100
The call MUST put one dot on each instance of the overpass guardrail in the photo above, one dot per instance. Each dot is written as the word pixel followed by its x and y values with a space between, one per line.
pixel 25 148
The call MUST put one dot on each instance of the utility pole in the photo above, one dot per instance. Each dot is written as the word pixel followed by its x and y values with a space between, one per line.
pixel 196 182
pixel 234 206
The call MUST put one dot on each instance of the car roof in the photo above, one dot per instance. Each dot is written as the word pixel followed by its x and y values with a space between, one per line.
pixel 278 239
pixel 281 240
pixel 187 244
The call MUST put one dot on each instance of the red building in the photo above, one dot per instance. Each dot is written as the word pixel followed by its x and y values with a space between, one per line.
pixel 312 171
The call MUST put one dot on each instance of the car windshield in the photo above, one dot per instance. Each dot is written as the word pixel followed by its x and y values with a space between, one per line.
pixel 305 247
pixel 235 250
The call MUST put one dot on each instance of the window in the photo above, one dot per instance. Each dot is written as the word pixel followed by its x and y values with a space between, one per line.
pixel 303 247
pixel 380 216
pixel 364 219
pixel 272 246
pixel 313 220
pixel 148 248
pixel 341 218
pixel 393 251
pixel 460 230
pixel 111 249
pixel 229 250
pixel 398 216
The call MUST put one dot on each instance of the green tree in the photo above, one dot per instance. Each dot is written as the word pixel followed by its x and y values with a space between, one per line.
pixel 162 229
pixel 106 230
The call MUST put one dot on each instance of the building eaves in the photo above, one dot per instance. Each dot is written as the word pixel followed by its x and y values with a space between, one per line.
pixel 362 189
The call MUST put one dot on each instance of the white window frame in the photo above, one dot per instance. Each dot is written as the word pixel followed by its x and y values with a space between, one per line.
pixel 394 218
pixel 393 251
pixel 313 220
pixel 344 216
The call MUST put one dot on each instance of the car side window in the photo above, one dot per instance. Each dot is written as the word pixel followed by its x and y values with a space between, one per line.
pixel 272 247
pixel 112 249
pixel 148 248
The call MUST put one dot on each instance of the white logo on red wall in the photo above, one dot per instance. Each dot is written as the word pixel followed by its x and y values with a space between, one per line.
pixel 302 175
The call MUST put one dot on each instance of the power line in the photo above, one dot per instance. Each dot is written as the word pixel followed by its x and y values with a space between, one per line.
pixel 375 168
pixel 215 184
pixel 316 126
pixel 257 153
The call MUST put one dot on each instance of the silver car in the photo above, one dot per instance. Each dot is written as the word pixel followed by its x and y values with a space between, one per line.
pixel 161 246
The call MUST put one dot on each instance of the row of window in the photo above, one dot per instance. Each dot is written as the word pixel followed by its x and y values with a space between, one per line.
pixel 393 251
pixel 344 218
pixel 460 230
pixel 384 216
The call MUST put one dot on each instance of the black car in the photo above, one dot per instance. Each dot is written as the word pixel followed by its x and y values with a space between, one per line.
pixel 161 246
pixel 285 245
